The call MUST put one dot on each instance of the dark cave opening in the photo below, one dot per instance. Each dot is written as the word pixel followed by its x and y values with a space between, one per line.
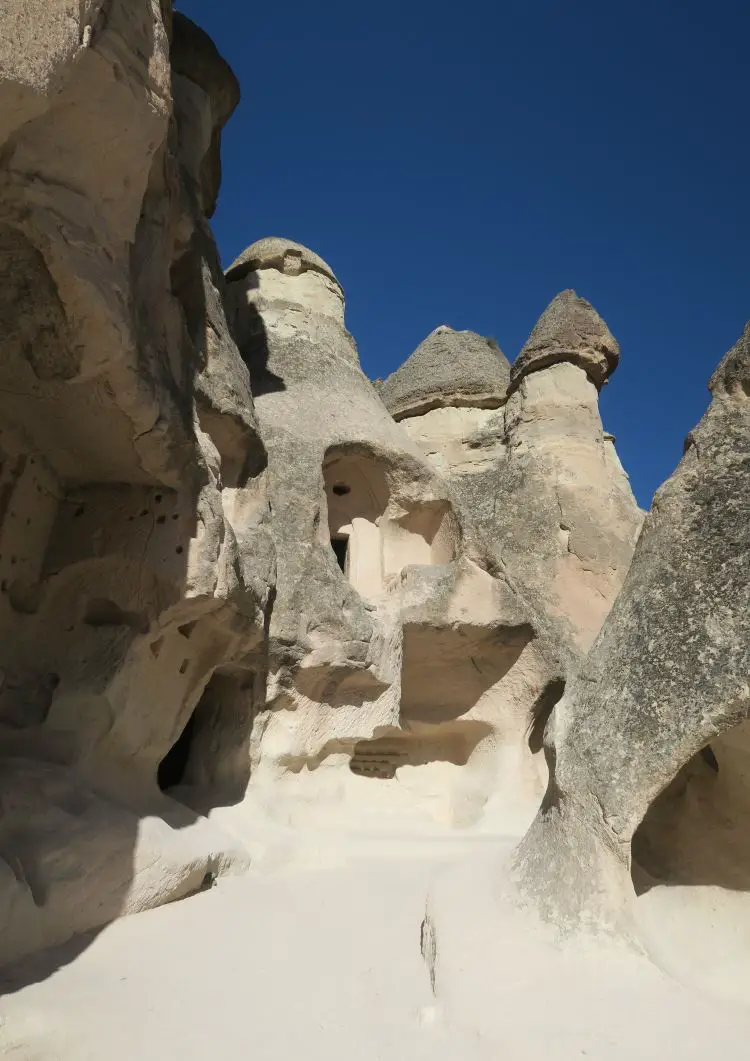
pixel 340 548
pixel 209 763
pixel 171 771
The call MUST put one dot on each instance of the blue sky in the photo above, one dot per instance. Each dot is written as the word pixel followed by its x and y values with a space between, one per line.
pixel 461 163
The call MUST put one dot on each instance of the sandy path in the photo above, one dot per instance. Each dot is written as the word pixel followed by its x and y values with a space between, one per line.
pixel 326 963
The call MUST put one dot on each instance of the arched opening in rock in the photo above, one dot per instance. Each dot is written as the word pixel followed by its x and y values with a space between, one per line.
pixel 427 534
pixel 171 770
pixel 357 496
pixel 447 670
pixel 695 831
pixel 380 543
pixel 691 870
pixel 209 763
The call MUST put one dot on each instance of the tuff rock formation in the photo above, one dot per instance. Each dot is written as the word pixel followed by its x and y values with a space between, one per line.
pixel 634 738
pixel 529 465
pixel 247 597
pixel 135 570
pixel 391 650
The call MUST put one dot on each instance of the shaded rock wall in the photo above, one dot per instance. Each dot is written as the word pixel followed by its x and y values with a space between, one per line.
pixel 134 554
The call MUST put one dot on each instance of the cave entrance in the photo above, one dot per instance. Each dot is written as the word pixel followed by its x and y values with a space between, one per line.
pixel 340 546
pixel 694 832
pixel 209 763
pixel 171 771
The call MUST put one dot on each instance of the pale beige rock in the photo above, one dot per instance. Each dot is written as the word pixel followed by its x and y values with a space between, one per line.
pixel 568 518
pixel 538 483
pixel 395 672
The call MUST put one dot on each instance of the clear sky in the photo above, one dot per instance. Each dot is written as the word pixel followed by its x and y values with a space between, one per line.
pixel 461 163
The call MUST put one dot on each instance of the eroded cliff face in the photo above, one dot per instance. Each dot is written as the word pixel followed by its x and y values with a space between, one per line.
pixel 242 588
pixel 135 567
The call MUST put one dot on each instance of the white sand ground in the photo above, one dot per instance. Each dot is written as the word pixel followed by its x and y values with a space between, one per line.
pixel 320 956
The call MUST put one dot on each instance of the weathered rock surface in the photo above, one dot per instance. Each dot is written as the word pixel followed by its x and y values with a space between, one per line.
pixel 449 368
pixel 387 649
pixel 541 491
pixel 561 509
pixel 133 561
pixel 667 675
pixel 569 330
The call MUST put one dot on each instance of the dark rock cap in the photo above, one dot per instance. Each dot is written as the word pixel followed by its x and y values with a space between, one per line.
pixel 449 368
pixel 273 252
pixel 571 330
pixel 195 56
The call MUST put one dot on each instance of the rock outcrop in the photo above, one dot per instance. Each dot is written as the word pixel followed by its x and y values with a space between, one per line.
pixel 538 481
pixel 667 675
pixel 135 572
pixel 563 512
pixel 389 650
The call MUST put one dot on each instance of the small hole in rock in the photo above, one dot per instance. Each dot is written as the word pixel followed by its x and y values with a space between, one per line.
pixel 341 489
pixel 179 550
pixel 160 519
pixel 184 666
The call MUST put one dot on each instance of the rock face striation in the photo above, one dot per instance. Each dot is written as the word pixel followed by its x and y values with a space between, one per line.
pixel 245 593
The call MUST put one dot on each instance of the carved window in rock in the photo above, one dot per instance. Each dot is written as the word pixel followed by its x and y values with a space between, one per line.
pixel 369 543
pixel 357 497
